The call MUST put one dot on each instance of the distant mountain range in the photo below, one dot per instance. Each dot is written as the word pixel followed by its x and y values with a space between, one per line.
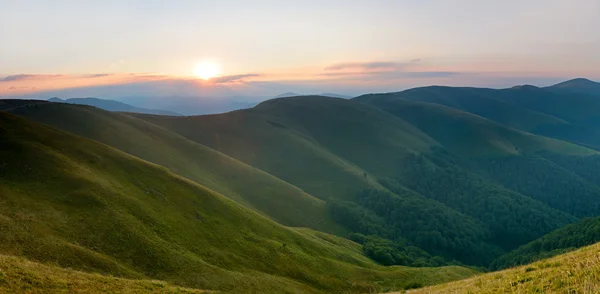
pixel 190 105
pixel 112 105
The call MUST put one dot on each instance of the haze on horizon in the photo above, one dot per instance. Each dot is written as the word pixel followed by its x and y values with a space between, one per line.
pixel 114 49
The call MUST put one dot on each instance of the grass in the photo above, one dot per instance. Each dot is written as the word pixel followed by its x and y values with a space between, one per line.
pixel 468 134
pixel 78 204
pixel 252 187
pixel 576 272
pixel 482 102
pixel 325 146
pixel 18 275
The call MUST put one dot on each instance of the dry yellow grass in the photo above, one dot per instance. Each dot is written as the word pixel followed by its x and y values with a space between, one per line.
pixel 18 275
pixel 575 272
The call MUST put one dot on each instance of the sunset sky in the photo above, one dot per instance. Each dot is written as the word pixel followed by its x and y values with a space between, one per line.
pixel 121 48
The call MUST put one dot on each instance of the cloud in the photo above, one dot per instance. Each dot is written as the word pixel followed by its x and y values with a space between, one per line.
pixel 14 88
pixel 232 78
pixel 431 74
pixel 99 75
pixel 383 70
pixel 21 77
pixel 394 74
pixel 364 65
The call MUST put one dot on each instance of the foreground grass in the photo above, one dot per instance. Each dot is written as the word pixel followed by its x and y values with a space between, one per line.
pixel 18 275
pixel 576 272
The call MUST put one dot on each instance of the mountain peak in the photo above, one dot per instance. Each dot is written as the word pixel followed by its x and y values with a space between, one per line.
pixel 287 94
pixel 524 87
pixel 579 85
pixel 578 82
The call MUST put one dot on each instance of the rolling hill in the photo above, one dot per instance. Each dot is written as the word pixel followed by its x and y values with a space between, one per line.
pixel 258 190
pixel 571 115
pixel 149 223
pixel 298 140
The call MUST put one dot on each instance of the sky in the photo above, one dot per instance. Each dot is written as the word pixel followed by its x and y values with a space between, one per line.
pixel 124 48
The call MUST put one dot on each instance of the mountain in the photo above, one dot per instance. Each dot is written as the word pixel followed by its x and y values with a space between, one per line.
pixel 149 223
pixel 111 105
pixel 579 85
pixel 573 272
pixel 567 238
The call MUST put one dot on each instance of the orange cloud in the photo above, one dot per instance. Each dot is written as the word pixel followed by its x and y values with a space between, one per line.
pixel 30 83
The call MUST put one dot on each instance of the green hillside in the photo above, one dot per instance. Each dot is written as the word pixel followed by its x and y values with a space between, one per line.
pixel 308 141
pixel 397 167
pixel 567 111
pixel 482 102
pixel 568 238
pixel 575 272
pixel 468 134
pixel 18 275
pixel 256 189
pixel 322 145
pixel 519 161
pixel 149 223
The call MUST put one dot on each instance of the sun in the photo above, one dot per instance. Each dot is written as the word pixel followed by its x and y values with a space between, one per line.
pixel 206 70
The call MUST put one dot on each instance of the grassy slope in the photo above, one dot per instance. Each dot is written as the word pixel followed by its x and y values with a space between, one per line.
pixel 279 200
pixel 566 115
pixel 323 145
pixel 479 101
pixel 571 107
pixel 149 223
pixel 575 272
pixel 468 134
pixel 18 275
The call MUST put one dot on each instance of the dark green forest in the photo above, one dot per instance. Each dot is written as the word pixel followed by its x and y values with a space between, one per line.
pixel 568 238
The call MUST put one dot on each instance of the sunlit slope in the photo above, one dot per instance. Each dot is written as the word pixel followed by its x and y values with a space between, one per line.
pixel 327 146
pixel 83 205
pixel 19 275
pixel 575 272
pixel 279 200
